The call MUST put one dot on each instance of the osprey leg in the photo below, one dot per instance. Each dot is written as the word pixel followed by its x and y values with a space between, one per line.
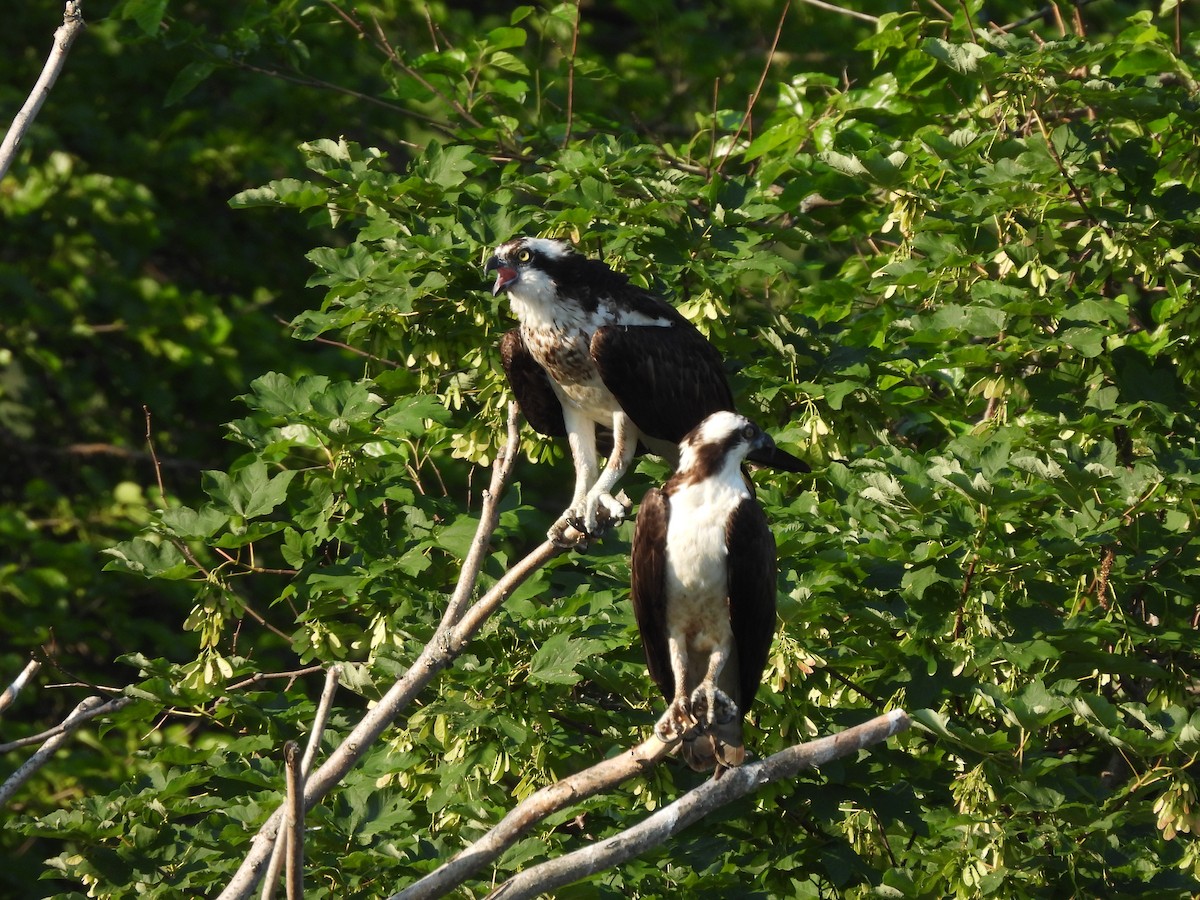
pixel 581 435
pixel 625 436
pixel 677 722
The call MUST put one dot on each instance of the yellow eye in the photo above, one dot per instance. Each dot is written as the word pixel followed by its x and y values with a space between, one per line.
pixel 524 256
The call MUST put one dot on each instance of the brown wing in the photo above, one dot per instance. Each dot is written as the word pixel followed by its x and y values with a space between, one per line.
pixel 668 379
pixel 531 386
pixel 751 564
pixel 648 592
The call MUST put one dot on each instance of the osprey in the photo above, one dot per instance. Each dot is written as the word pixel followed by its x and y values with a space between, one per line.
pixel 704 590
pixel 596 352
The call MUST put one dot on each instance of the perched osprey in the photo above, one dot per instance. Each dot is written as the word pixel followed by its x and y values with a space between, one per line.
pixel 594 351
pixel 704 590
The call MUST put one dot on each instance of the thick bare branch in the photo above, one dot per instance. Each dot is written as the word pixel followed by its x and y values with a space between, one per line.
pixel 78 716
pixel 320 718
pixel 295 821
pixel 533 809
pixel 694 805
pixel 447 642
pixel 64 37
pixel 10 692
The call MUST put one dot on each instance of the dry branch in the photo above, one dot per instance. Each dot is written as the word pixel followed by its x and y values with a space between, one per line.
pixel 295 821
pixel 447 642
pixel 534 809
pixel 78 716
pixel 86 710
pixel 696 804
pixel 10 692
pixel 64 37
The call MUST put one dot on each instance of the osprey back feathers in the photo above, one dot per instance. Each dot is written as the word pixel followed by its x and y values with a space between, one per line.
pixel 594 351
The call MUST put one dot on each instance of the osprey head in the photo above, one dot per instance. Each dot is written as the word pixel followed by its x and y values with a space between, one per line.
pixel 524 260
pixel 722 440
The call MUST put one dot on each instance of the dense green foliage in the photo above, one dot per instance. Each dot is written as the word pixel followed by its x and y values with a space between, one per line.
pixel 953 267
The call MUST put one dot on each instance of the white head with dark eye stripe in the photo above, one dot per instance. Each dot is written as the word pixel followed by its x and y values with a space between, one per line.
pixel 719 445
pixel 525 269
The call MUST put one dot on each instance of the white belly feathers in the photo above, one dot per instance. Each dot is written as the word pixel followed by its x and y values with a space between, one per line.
pixel 697 584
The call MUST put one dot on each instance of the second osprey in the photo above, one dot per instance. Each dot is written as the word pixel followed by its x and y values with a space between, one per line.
pixel 594 351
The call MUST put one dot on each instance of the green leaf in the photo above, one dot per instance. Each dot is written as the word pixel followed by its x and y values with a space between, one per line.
pixel 148 14
pixel 251 491
pixel 151 559
pixel 189 78
pixel 556 660
pixel 962 58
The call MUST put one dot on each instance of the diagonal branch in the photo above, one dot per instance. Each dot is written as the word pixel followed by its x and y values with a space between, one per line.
pixel 758 88
pixel 444 646
pixel 64 37
pixel 88 708
pixel 10 692
pixel 694 805
pixel 533 809
pixel 84 712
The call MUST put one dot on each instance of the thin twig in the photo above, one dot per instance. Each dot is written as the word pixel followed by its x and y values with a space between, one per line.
pixel 762 79
pixel 295 831
pixel 263 676
pixel 64 37
pixel 162 492
pixel 694 805
pixel 10 692
pixel 571 76
pixel 821 4
pixel 533 809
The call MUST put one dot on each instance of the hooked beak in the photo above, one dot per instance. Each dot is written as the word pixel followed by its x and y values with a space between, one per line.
pixel 505 275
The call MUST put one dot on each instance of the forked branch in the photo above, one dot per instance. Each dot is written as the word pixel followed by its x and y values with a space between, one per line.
pixel 448 641
pixel 695 805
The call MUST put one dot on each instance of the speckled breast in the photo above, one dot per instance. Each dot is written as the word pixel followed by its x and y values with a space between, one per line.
pixel 566 357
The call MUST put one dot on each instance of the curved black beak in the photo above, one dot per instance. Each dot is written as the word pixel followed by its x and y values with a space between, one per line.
pixel 764 452
pixel 505 275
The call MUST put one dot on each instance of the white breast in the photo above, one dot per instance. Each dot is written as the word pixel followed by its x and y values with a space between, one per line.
pixel 697 583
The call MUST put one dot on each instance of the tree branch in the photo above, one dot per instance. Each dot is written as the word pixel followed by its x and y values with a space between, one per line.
pixel 87 709
pixel 295 822
pixel 694 805
pixel 10 692
pixel 70 723
pixel 446 643
pixel 64 37
pixel 533 809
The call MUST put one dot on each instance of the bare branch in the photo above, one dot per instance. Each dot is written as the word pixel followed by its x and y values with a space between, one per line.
pixel 694 805
pixel 69 724
pixel 821 4
pixel 446 643
pixel 87 709
pixel 295 830
pixel 533 809
pixel 64 37
pixel 489 516
pixel 320 718
pixel 10 692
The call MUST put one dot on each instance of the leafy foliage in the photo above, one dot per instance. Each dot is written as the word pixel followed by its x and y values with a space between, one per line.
pixel 961 282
